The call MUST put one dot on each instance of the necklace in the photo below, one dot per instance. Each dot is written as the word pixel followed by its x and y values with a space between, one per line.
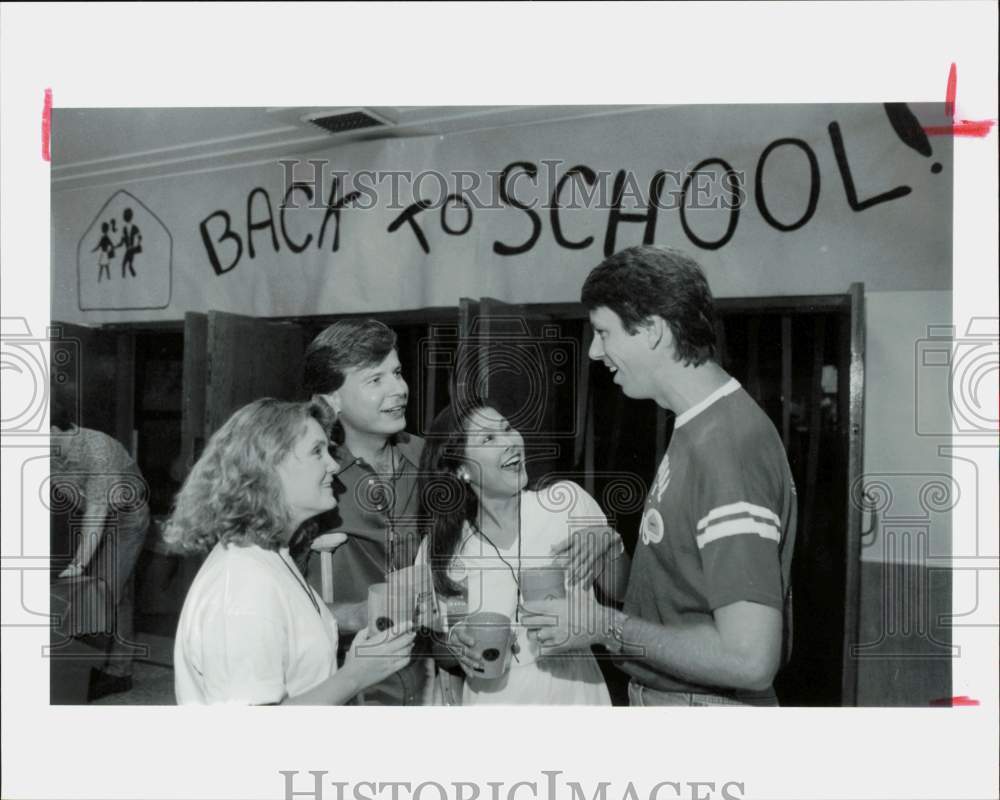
pixel 298 579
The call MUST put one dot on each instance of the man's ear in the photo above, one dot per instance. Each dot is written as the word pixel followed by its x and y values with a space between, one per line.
pixel 658 333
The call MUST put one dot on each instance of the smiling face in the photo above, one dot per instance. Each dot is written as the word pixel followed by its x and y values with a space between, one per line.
pixel 628 355
pixel 372 400
pixel 494 455
pixel 306 474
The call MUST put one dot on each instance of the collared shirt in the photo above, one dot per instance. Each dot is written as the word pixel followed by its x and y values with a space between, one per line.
pixel 379 512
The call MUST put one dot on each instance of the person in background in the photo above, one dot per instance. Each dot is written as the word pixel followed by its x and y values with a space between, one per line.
pixel 489 530
pixel 93 473
pixel 354 368
pixel 707 612
pixel 252 631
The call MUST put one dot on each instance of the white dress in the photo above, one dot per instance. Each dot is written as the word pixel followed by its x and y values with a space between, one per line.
pixel 249 633
pixel 547 518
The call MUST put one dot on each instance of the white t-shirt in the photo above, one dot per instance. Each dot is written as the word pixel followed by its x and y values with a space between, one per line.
pixel 249 633
pixel 547 518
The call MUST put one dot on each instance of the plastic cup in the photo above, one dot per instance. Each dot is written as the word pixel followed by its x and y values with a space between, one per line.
pixel 493 637
pixel 543 583
pixel 380 618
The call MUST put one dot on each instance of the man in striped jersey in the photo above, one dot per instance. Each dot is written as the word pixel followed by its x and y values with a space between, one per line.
pixel 706 617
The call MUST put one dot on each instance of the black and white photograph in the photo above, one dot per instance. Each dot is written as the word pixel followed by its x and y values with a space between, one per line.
pixel 396 406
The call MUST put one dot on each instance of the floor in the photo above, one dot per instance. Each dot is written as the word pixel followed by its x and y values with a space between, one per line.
pixel 152 685
pixel 152 677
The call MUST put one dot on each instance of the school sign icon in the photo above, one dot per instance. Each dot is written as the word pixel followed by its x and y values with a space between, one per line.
pixel 124 260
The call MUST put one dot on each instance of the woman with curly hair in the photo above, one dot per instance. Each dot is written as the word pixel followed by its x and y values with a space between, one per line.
pixel 488 528
pixel 252 631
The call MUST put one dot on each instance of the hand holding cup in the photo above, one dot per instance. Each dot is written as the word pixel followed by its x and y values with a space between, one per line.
pixel 376 656
pixel 483 643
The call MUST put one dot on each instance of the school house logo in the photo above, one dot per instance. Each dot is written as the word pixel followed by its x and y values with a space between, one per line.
pixel 124 260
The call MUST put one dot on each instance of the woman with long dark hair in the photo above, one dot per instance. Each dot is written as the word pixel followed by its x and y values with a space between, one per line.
pixel 487 529
pixel 252 630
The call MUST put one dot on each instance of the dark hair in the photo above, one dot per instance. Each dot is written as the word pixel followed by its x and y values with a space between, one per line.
pixel 446 500
pixel 345 345
pixel 639 282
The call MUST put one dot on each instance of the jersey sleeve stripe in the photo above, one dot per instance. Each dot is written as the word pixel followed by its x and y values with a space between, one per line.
pixel 737 527
pixel 742 508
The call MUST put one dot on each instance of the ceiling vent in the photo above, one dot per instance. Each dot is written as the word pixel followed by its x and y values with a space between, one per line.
pixel 346 120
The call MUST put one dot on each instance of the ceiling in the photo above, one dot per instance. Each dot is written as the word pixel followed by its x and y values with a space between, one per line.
pixel 100 146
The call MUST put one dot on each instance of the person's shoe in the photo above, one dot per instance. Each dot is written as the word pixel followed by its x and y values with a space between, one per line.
pixel 102 684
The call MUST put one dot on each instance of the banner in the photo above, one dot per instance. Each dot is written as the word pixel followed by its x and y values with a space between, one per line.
pixel 770 199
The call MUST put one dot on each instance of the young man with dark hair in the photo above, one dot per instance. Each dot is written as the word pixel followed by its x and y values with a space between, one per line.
pixel 707 609
pixel 353 365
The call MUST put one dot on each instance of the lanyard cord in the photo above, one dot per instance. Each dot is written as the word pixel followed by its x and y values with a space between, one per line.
pixel 300 582
pixel 515 574
pixel 389 495
pixel 390 509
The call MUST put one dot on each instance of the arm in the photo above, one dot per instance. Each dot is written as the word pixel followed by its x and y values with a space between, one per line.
pixel 334 691
pixel 380 659
pixel 90 538
pixel 612 573
pixel 740 648
pixel 596 556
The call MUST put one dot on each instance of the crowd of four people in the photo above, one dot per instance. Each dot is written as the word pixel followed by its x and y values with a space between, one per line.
pixel 697 616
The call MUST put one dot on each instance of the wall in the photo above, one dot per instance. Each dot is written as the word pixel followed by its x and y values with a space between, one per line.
pixel 819 196
pixel 906 587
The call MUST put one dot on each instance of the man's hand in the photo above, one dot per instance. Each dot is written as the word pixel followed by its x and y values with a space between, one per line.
pixel 583 550
pixel 561 626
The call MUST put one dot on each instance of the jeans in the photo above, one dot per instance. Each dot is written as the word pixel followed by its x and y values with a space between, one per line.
pixel 114 563
pixel 639 695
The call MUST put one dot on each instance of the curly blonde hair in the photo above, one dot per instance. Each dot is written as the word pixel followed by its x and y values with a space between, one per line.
pixel 233 494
